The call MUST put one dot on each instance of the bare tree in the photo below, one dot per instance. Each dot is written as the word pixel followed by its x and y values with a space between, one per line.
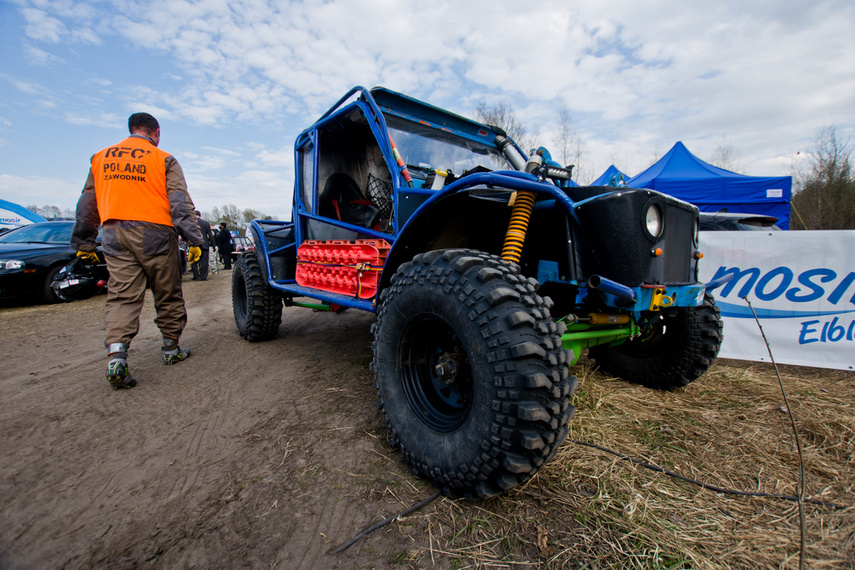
pixel 656 155
pixel 249 215
pixel 230 215
pixel 824 197
pixel 570 145
pixel 726 156
pixel 235 219
pixel 50 211
pixel 503 116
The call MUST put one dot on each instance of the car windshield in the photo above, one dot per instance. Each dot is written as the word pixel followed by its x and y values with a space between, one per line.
pixel 59 233
pixel 424 148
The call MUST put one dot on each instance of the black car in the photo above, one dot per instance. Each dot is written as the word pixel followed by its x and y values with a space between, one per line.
pixel 732 221
pixel 31 255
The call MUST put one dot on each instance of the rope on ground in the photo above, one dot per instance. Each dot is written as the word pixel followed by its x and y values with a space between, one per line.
pixel 386 521
pixel 702 484
pixel 801 497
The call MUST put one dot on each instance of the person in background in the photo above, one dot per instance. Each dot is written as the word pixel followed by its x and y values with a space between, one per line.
pixel 200 268
pixel 138 194
pixel 224 240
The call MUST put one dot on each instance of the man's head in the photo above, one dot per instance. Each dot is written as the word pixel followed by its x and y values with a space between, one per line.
pixel 222 225
pixel 198 214
pixel 144 124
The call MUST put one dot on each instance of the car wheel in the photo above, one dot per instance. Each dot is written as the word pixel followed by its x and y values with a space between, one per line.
pixel 674 352
pixel 470 373
pixel 48 294
pixel 257 307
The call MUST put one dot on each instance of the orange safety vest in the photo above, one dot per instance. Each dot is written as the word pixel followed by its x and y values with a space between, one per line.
pixel 130 182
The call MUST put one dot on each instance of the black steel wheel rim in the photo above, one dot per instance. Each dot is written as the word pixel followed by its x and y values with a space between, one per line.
pixel 440 401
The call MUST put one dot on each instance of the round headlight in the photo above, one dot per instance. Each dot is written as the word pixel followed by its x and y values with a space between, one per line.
pixel 653 220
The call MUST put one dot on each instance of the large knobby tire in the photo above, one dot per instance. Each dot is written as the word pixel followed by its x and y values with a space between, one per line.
pixel 470 372
pixel 673 353
pixel 257 306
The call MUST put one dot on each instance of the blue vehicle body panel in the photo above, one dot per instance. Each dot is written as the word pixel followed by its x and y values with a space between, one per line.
pixel 372 108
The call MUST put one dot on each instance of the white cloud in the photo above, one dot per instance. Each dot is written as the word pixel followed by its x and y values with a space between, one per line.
pixel 41 57
pixel 263 190
pixel 281 159
pixel 106 120
pixel 210 159
pixel 43 27
pixel 40 191
pixel 636 77
pixel 28 88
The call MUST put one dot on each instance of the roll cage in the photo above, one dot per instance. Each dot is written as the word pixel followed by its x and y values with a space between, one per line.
pixel 365 171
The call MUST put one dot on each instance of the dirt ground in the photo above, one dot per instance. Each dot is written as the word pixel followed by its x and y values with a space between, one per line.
pixel 272 455
pixel 247 455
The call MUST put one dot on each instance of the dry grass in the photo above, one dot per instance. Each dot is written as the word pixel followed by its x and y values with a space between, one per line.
pixel 590 509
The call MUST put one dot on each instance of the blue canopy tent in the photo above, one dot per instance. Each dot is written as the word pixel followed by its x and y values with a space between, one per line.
pixel 13 215
pixel 610 177
pixel 683 175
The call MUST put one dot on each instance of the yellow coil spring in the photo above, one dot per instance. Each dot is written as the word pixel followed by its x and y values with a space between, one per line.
pixel 514 239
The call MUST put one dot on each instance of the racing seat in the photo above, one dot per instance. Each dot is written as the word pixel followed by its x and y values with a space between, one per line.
pixel 343 200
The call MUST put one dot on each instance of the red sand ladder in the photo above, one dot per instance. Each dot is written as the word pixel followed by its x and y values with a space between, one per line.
pixel 350 268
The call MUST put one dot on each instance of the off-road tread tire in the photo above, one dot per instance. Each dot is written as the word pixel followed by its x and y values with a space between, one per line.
pixel 522 386
pixel 257 306
pixel 684 353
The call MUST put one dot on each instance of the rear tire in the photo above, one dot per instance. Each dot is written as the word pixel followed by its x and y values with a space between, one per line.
pixel 470 373
pixel 257 306
pixel 675 352
pixel 48 294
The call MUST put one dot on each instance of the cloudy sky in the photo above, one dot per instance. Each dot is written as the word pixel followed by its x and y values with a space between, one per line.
pixel 233 83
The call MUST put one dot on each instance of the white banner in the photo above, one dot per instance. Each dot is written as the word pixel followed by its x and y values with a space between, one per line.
pixel 10 219
pixel 800 284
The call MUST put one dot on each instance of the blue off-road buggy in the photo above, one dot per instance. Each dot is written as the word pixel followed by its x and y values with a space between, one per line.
pixel 490 272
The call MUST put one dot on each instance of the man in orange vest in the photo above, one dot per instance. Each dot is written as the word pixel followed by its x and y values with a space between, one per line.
pixel 137 194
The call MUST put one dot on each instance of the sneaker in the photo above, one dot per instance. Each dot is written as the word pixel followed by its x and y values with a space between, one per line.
pixel 119 375
pixel 175 355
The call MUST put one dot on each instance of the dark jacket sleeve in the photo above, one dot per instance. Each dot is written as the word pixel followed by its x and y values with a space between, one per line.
pixel 225 241
pixel 182 208
pixel 205 230
pixel 87 221
pixel 206 233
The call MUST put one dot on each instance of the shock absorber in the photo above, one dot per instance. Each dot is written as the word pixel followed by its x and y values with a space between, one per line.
pixel 517 228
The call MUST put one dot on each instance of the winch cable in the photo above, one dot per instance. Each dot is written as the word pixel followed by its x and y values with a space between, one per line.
pixel 386 521
pixel 707 486
pixel 715 488
pixel 621 456
pixel 795 434
pixel 650 466
pixel 801 487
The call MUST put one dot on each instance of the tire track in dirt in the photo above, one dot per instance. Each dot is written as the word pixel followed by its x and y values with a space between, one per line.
pixel 252 455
